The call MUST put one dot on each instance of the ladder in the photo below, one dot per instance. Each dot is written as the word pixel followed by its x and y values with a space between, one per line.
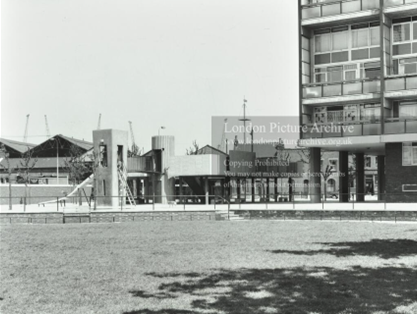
pixel 123 186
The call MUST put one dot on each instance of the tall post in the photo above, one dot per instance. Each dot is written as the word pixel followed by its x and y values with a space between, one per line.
pixel 343 176
pixel 275 189
pixel 57 162
pixel 315 176
pixel 360 177
pixel 244 122
pixel 206 190
pixel 181 192
pixel 253 189
pixel 381 177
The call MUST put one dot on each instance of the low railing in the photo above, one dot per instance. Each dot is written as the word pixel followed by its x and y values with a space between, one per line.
pixel 400 125
pixel 227 208
pixel 357 128
pixel 391 3
pixel 84 203
pixel 395 83
pixel 364 86
pixel 314 10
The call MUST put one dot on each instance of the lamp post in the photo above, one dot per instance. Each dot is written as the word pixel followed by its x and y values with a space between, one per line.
pixel 163 128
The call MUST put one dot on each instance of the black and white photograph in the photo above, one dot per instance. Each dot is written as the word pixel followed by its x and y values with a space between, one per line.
pixel 208 157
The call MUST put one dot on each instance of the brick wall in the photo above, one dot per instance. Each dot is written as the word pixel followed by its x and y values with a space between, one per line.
pixel 396 175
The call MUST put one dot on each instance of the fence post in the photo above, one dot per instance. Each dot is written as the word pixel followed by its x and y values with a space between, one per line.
pixel 153 201
pixel 293 202
pixel 57 204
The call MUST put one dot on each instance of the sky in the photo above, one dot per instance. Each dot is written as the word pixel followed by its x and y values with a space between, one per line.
pixel 171 63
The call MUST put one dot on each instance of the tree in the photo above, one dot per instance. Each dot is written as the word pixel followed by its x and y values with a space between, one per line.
pixel 7 167
pixel 328 171
pixel 193 150
pixel 27 163
pixel 133 151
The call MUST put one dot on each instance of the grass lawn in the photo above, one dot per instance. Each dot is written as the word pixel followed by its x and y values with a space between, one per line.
pixel 209 267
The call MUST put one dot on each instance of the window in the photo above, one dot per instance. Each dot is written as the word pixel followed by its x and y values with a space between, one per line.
pixel 405 65
pixel 104 187
pixel 103 155
pixel 335 74
pixel 401 32
pixel 410 154
pixel 346 43
pixel 322 43
pixel 404 37
pixel 347 72
pixel 331 185
pixel 368 162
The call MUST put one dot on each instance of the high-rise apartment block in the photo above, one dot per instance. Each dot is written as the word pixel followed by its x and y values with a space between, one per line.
pixel 358 89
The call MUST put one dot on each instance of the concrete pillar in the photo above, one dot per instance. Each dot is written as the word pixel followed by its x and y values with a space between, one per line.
pixel 206 190
pixel 154 199
pixel 343 176
pixel 146 190
pixel 134 187
pixel 181 190
pixel 360 177
pixel 253 189
pixel 267 189
pixel 381 177
pixel 315 176
pixel 276 189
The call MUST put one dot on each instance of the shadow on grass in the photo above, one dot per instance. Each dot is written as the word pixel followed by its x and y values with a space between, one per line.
pixel 380 248
pixel 169 311
pixel 293 290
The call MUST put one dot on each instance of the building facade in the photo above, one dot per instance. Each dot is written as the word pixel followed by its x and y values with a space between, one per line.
pixel 358 90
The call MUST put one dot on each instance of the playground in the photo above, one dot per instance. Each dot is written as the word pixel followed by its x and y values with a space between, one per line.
pixel 209 267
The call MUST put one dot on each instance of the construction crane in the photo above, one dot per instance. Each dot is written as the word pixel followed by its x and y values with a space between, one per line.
pixel 222 144
pixel 25 136
pixel 135 149
pixel 48 134
pixel 99 122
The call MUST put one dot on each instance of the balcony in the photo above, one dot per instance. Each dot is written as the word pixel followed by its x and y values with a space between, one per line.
pixel 144 164
pixel 399 83
pixel 318 10
pixel 391 3
pixel 400 125
pixel 317 90
pixel 326 130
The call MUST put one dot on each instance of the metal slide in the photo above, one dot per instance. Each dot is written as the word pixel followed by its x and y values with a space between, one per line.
pixel 79 186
